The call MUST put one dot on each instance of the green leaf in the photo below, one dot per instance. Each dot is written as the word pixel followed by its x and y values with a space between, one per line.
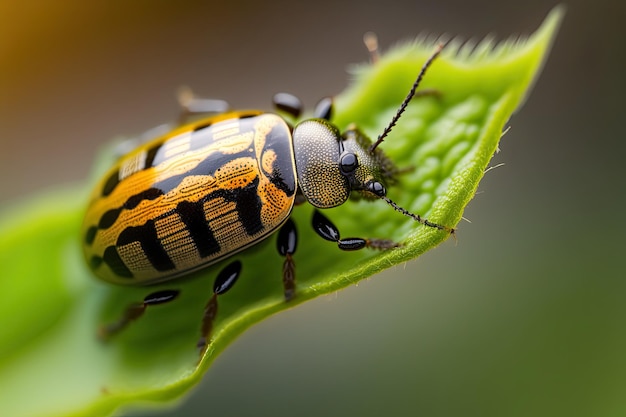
pixel 52 363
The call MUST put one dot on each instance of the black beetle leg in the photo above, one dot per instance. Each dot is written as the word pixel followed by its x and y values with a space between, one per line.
pixel 288 103
pixel 326 229
pixel 136 310
pixel 286 244
pixel 324 109
pixel 292 105
pixel 224 282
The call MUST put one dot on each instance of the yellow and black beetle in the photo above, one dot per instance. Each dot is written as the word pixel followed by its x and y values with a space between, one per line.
pixel 214 187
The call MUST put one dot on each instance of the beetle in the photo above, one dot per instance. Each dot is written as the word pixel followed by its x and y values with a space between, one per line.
pixel 216 186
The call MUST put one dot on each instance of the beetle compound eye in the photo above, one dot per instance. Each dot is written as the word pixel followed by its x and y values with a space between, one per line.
pixel 348 163
pixel 376 188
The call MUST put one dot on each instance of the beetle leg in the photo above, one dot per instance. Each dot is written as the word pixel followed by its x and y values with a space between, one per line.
pixel 324 109
pixel 371 43
pixel 224 282
pixel 288 103
pixel 286 244
pixel 326 229
pixel 192 105
pixel 136 310
pixel 292 105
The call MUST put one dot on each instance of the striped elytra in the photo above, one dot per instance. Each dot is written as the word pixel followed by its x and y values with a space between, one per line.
pixel 191 198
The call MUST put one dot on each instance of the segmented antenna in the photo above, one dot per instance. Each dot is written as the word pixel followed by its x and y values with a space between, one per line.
pixel 408 98
pixel 417 217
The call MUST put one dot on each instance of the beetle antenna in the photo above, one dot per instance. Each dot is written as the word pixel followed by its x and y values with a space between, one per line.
pixel 417 217
pixel 408 98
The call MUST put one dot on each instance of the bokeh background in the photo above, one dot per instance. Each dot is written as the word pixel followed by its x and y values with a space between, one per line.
pixel 524 316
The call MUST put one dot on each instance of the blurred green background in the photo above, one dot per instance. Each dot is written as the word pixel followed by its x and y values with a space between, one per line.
pixel 524 316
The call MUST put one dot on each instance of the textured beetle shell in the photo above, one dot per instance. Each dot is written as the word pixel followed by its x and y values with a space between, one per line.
pixel 191 198
pixel 316 145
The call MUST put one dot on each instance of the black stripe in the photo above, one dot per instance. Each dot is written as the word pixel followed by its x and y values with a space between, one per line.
pixel 151 155
pixel 202 126
pixel 149 194
pixel 113 260
pixel 194 217
pixel 146 235
pixel 248 207
pixel 111 183
pixel 282 174
pixel 95 262
pixel 109 218
pixel 91 235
